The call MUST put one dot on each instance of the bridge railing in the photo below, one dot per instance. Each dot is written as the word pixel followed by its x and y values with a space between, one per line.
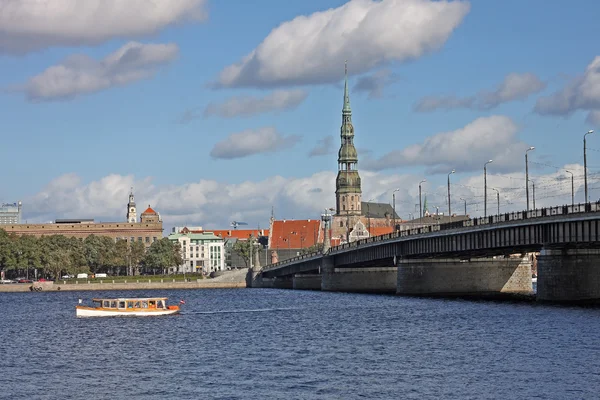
pixel 480 221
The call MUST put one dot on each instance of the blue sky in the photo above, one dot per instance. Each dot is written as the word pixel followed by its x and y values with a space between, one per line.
pixel 94 104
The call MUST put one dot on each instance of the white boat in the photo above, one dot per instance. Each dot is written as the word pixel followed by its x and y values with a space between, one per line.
pixel 127 307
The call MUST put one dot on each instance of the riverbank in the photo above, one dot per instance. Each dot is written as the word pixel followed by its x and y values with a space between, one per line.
pixel 229 280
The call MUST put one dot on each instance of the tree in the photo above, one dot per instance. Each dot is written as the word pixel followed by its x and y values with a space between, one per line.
pixel 316 248
pixel 162 254
pixel 242 249
pixel 137 253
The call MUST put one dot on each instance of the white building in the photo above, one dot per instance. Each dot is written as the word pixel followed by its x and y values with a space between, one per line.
pixel 10 213
pixel 201 252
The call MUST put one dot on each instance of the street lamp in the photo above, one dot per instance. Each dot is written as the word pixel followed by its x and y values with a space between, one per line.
pixel 527 176
pixel 497 199
pixel 572 189
pixel 533 187
pixel 585 167
pixel 394 207
pixel 420 199
pixel 485 187
pixel 465 205
pixel 449 208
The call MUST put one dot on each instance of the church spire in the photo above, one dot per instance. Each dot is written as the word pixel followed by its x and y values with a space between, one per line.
pixel 346 108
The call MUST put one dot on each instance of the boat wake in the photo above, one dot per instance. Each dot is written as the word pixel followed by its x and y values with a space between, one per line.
pixel 237 311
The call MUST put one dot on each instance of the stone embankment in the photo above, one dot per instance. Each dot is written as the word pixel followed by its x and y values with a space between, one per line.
pixel 226 280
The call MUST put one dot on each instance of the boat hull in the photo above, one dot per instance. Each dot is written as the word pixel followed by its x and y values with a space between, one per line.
pixel 83 311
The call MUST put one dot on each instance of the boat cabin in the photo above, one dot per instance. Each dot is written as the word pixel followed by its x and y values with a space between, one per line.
pixel 140 304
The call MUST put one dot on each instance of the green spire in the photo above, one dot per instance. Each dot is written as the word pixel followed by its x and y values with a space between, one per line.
pixel 346 95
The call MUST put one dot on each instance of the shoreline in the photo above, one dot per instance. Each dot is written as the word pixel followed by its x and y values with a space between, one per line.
pixel 51 287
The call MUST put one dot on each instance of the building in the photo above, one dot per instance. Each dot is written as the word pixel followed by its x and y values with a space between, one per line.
pixel 351 212
pixel 290 238
pixel 147 231
pixel 10 213
pixel 201 252
pixel 230 237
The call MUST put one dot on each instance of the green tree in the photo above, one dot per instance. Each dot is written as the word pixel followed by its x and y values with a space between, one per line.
pixel 162 254
pixel 242 249
pixel 312 249
pixel 137 252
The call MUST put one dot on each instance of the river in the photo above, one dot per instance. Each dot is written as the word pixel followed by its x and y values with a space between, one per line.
pixel 284 344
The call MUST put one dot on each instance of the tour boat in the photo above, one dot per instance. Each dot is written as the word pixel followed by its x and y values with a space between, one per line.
pixel 124 307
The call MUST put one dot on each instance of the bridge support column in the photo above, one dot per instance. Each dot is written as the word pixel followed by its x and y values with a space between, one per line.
pixel 358 280
pixel 285 282
pixel 307 282
pixel 569 275
pixel 254 278
pixel 454 277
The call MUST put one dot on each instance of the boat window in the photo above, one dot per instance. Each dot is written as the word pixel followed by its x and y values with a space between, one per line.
pixel 113 304
pixel 136 304
pixel 161 304
pixel 105 304
pixel 130 304
pixel 121 304
pixel 152 303
pixel 144 304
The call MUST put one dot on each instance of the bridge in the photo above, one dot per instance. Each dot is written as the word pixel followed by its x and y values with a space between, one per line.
pixel 481 256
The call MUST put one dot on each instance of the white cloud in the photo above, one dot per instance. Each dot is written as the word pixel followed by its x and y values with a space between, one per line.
pixel 515 86
pixel 29 25
pixel 465 149
pixel 252 141
pixel 324 147
pixel 374 84
pixel 79 74
pixel 214 204
pixel 312 49
pixel 582 93
pixel 245 106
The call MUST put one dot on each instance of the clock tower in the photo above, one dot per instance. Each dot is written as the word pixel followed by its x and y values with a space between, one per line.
pixel 131 212
pixel 347 192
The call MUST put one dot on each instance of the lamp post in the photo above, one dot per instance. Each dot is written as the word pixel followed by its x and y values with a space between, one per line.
pixel 572 189
pixel 420 199
pixel 465 205
pixel 533 187
pixel 394 207
pixel 585 166
pixel 449 208
pixel 527 176
pixel 497 199
pixel 485 187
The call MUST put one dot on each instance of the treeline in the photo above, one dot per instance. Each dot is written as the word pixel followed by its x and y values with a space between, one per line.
pixel 57 255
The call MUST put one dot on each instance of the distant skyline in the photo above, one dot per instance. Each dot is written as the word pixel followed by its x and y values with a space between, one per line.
pixel 218 111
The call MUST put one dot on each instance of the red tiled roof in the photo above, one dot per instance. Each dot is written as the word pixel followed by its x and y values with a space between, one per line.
pixel 149 210
pixel 236 233
pixel 295 234
pixel 380 230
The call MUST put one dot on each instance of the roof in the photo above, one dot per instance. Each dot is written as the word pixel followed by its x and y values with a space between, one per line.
pixel 380 230
pixel 149 210
pixel 295 234
pixel 74 221
pixel 377 210
pixel 242 234
pixel 193 236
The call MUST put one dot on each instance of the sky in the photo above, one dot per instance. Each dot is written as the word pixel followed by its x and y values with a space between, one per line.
pixel 221 111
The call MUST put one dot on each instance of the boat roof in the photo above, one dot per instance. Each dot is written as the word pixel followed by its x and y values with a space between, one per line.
pixel 132 299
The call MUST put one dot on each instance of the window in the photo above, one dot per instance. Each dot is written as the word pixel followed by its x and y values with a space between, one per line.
pixel 147 239
pixel 344 207
pixel 154 239
pixel 131 239
pixel 121 304
pixel 341 224
pixel 140 239
pixel 185 242
pixel 351 198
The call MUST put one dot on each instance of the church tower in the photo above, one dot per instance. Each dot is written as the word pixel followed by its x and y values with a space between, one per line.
pixel 131 213
pixel 347 192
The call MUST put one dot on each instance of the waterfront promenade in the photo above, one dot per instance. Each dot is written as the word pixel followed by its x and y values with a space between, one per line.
pixel 229 280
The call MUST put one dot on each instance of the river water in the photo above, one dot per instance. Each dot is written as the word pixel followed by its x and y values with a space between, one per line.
pixel 283 344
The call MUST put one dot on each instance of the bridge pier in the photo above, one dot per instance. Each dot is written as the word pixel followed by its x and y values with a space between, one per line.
pixel 568 275
pixel 358 280
pixel 307 282
pixel 455 277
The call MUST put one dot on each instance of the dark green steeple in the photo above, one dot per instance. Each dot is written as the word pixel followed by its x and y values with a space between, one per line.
pixel 348 181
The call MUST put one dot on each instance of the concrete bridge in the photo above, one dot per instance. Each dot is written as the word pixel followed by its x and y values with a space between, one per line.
pixel 482 256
